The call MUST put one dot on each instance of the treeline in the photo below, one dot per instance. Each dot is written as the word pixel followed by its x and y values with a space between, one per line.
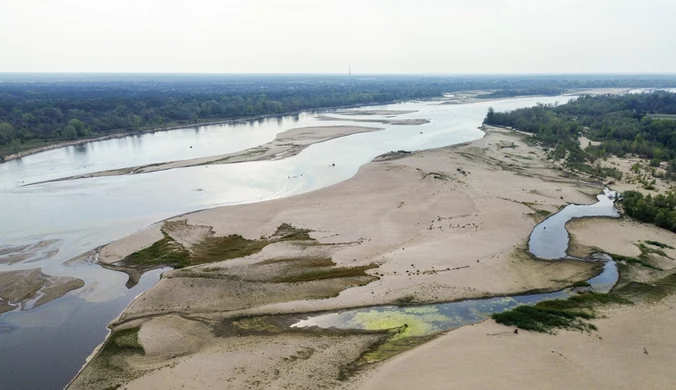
pixel 507 93
pixel 52 107
pixel 659 209
pixel 623 124
pixel 61 116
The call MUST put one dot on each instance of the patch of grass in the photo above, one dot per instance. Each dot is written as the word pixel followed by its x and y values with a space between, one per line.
pixel 547 316
pixel 163 252
pixel 123 341
pixel 383 349
pixel 655 291
pixel 301 354
pixel 647 251
pixel 287 232
pixel 391 347
pixel 326 273
pixel 257 324
pixel 582 283
pixel 168 252
pixel 212 249
pixel 405 300
pixel 634 260
pixel 659 244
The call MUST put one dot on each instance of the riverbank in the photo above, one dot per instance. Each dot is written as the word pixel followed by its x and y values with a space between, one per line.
pixel 431 226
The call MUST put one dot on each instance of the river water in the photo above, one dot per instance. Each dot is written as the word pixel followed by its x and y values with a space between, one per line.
pixel 72 217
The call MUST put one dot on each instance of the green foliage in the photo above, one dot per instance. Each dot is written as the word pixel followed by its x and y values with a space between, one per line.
pixel 163 252
pixel 622 124
pixel 653 291
pixel 58 107
pixel 548 316
pixel 326 273
pixel 659 244
pixel 168 252
pixel 634 260
pixel 123 341
pixel 658 209
pixel 505 93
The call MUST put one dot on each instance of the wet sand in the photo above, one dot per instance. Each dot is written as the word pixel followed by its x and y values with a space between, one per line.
pixel 26 289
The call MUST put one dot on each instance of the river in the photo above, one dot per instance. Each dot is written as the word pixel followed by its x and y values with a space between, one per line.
pixel 76 216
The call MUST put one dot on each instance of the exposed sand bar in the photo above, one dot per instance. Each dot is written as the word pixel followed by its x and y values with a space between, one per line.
pixel 438 225
pixel 286 144
pixel 395 122
pixel 632 349
pixel 26 289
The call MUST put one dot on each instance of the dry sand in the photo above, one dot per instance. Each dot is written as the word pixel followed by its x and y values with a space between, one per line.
pixel 441 225
pixel 286 144
pixel 618 236
pixel 634 348
pixel 406 215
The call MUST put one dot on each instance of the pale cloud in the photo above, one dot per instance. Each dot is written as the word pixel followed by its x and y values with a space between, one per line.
pixel 325 36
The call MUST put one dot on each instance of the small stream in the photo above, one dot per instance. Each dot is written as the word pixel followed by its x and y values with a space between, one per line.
pixel 549 240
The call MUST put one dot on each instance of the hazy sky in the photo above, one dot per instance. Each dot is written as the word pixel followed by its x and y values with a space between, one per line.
pixel 325 36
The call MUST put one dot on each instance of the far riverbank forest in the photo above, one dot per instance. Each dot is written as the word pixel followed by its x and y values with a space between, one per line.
pixel 633 124
pixel 36 109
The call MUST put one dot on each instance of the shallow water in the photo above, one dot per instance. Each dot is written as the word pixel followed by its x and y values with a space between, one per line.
pixel 549 239
pixel 76 216
pixel 44 348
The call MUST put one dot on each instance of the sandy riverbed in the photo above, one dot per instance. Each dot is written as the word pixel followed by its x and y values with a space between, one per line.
pixel 440 225
pixel 430 226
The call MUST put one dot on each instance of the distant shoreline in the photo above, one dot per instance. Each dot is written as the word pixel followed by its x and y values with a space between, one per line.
pixel 152 130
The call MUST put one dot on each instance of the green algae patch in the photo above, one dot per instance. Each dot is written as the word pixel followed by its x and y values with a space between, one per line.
pixel 407 324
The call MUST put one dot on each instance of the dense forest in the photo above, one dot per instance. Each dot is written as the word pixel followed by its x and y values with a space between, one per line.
pixel 633 123
pixel 42 108
pixel 659 209
pixel 642 124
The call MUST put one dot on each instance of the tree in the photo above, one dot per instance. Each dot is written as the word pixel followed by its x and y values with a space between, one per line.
pixel 7 133
pixel 490 117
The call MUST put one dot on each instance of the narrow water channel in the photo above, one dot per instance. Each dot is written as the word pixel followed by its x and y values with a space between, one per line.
pixel 549 240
